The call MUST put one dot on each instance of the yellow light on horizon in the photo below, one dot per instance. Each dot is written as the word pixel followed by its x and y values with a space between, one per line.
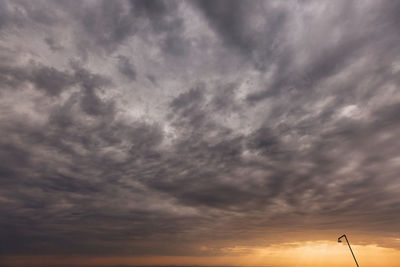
pixel 304 254
pixel 321 253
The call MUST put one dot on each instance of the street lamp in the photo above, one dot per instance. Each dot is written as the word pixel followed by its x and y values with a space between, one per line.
pixel 340 241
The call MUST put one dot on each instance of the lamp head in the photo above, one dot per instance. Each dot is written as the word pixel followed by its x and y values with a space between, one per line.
pixel 340 238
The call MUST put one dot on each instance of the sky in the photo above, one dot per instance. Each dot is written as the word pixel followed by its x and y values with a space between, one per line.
pixel 199 132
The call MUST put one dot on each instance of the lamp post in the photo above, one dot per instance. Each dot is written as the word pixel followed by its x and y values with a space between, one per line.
pixel 339 240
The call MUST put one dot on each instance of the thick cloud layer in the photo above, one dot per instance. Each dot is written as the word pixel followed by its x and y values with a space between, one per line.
pixel 167 127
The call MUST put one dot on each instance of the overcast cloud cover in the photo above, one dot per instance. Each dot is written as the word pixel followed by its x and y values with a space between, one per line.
pixel 180 128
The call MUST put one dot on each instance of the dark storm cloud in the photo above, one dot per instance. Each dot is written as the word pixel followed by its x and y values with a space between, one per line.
pixel 322 66
pixel 52 44
pixel 126 67
pixel 18 14
pixel 108 24
pixel 105 26
pixel 44 78
pixel 257 39
pixel 51 80
pixel 90 102
pixel 256 117
pixel 165 22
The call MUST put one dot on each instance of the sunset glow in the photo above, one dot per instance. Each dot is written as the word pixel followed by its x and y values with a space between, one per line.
pixel 312 254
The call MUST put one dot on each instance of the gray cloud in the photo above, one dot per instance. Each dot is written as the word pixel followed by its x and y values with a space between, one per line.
pixel 126 67
pixel 254 29
pixel 272 117
pixel 44 78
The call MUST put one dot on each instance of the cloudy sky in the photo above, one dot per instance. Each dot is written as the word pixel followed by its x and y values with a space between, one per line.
pixel 198 132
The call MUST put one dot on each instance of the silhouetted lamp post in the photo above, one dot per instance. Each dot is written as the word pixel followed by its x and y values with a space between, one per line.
pixel 339 240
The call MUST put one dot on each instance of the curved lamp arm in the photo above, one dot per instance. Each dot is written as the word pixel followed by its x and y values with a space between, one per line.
pixel 339 240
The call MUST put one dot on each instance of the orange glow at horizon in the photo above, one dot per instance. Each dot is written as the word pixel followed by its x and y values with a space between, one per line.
pixel 312 254
pixel 323 253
